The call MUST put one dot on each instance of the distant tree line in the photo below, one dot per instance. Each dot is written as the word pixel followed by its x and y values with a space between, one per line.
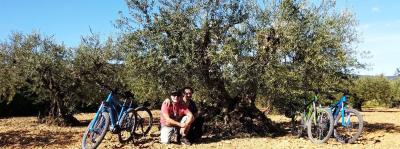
pixel 375 91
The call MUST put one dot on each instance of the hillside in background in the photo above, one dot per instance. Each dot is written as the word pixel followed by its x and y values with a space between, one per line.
pixel 388 77
pixel 392 77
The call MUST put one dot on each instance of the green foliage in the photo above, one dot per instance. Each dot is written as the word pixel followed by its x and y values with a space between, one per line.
pixel 373 90
pixel 234 52
pixel 54 81
pixel 274 50
pixel 306 47
pixel 178 46
pixel 40 70
pixel 18 63
pixel 96 72
pixel 395 90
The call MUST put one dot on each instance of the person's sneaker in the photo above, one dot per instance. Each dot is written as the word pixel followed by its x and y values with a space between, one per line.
pixel 185 141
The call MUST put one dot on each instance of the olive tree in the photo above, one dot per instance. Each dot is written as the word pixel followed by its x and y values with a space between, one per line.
pixel 41 70
pixel 234 52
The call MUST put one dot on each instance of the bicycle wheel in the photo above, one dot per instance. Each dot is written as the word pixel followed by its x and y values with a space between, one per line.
pixel 351 129
pixel 143 121
pixel 92 138
pixel 127 125
pixel 298 128
pixel 320 125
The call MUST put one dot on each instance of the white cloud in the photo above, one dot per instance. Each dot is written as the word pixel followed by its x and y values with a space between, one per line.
pixel 363 27
pixel 383 39
pixel 375 9
pixel 387 27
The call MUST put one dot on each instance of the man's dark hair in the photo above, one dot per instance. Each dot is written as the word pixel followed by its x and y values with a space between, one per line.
pixel 188 87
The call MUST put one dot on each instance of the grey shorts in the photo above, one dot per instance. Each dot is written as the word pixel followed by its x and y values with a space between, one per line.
pixel 167 132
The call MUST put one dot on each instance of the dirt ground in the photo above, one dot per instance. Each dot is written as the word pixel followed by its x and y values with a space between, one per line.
pixel 381 130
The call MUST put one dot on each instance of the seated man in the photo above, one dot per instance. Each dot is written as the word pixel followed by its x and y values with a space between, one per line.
pixel 195 131
pixel 171 115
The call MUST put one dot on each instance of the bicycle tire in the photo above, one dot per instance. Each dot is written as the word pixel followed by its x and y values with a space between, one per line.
pixel 143 121
pixel 127 124
pixel 342 138
pixel 103 131
pixel 323 125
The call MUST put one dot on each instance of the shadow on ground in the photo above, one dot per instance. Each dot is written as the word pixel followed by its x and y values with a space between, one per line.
pixel 21 139
pixel 387 127
pixel 83 123
pixel 379 110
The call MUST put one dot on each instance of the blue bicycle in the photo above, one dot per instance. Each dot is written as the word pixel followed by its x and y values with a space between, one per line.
pixel 129 122
pixel 348 122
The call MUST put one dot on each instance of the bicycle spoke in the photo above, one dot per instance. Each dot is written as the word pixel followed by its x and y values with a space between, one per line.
pixel 144 121
pixel 126 125
pixel 93 137
pixel 348 131
pixel 321 126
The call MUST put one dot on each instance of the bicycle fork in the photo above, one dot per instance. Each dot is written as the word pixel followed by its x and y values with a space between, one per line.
pixel 99 111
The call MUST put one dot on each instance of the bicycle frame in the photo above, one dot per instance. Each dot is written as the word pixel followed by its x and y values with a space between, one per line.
pixel 109 106
pixel 340 107
pixel 308 108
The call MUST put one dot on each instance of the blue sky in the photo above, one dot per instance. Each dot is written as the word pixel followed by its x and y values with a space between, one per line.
pixel 67 20
pixel 379 24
